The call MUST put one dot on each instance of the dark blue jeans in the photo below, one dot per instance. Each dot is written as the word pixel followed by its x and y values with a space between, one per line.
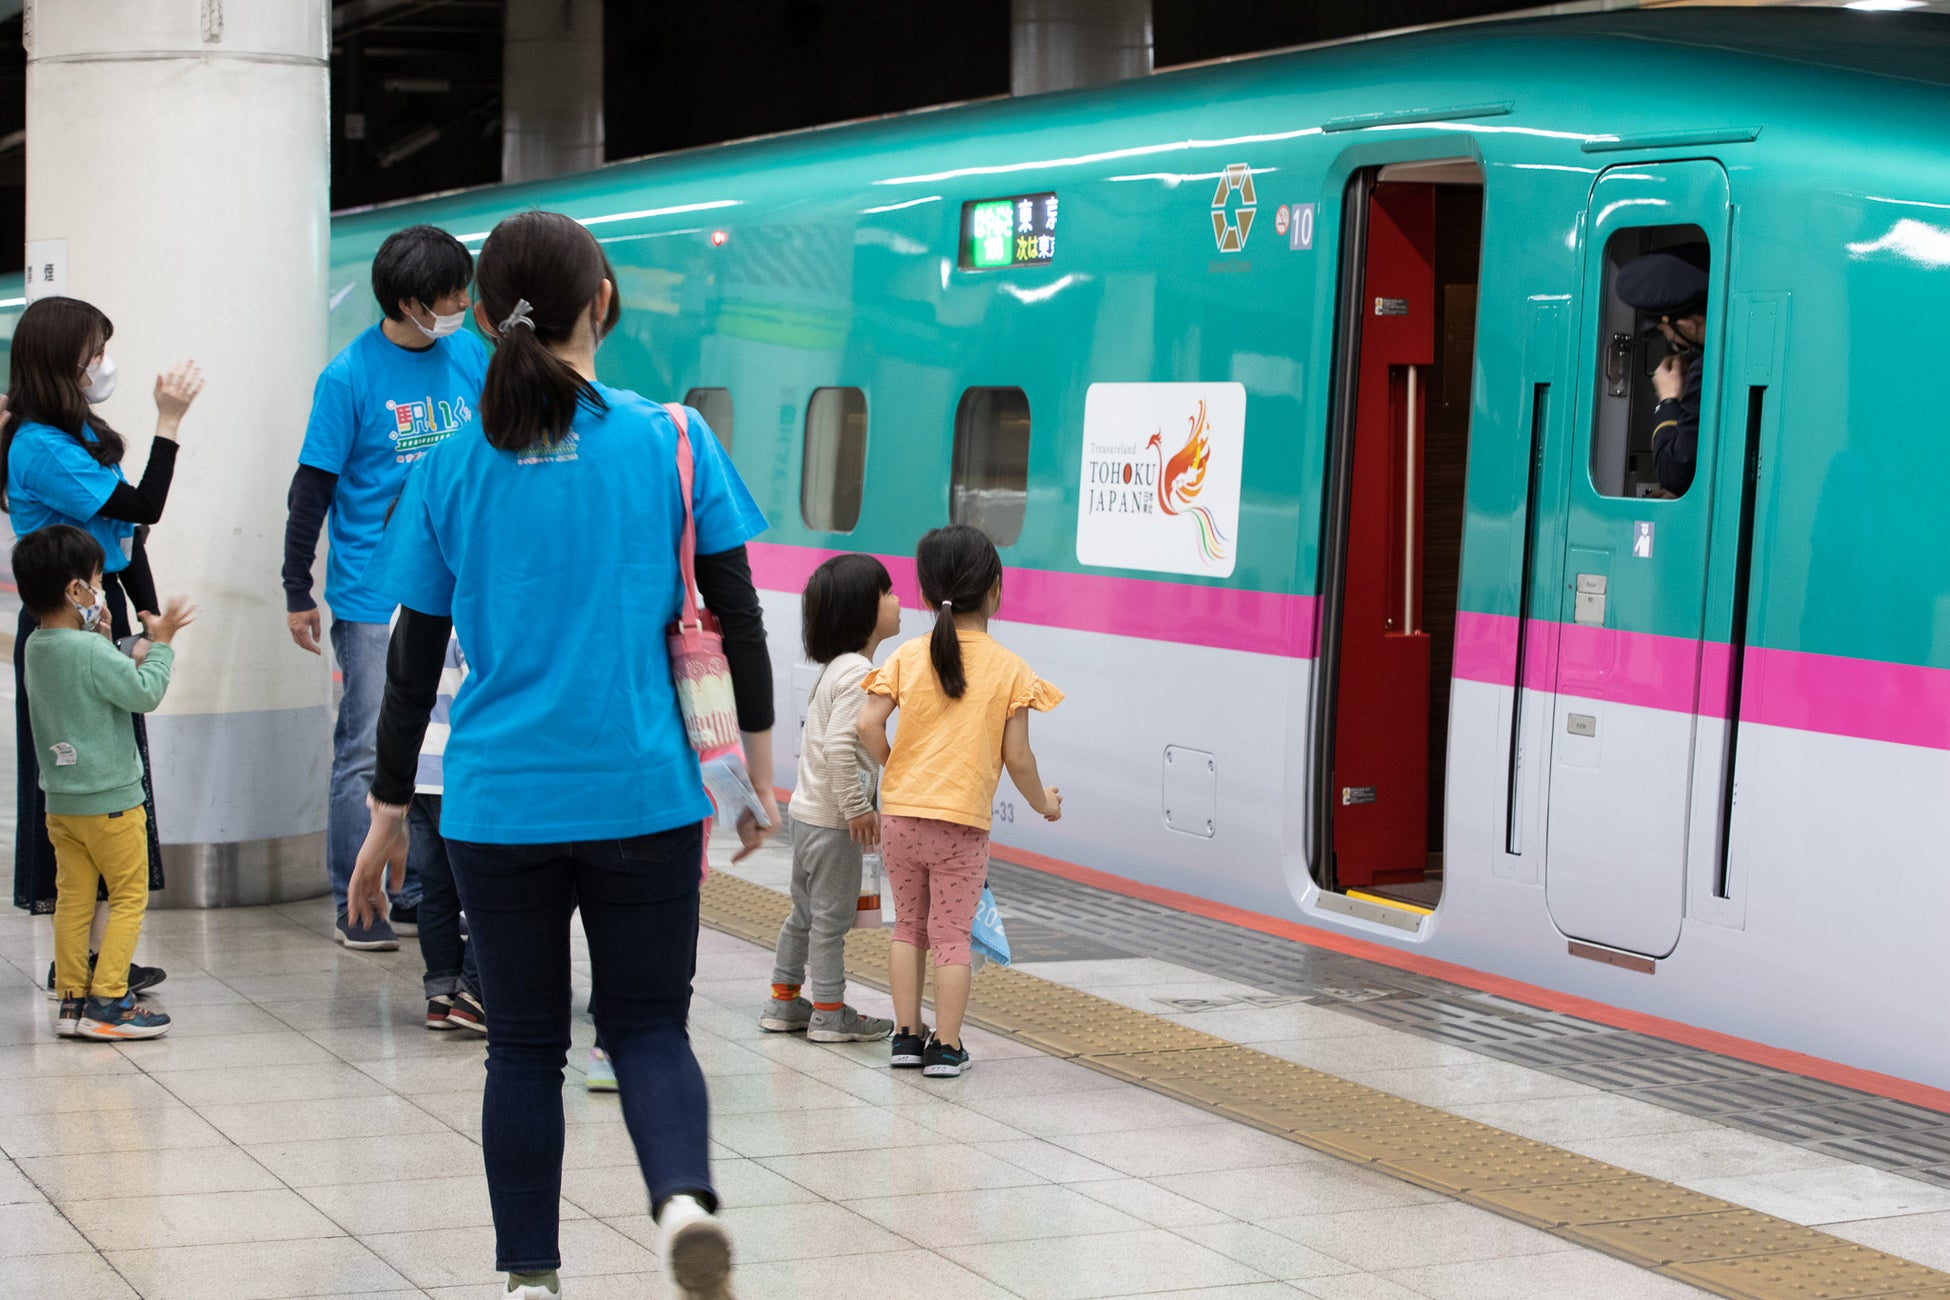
pixel 639 901
pixel 449 958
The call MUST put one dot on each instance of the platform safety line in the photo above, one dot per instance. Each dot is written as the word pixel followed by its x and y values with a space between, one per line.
pixel 1698 1239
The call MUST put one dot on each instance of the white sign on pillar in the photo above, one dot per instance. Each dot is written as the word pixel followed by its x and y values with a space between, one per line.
pixel 47 268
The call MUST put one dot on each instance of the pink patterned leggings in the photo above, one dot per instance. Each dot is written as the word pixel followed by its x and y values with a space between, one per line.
pixel 937 870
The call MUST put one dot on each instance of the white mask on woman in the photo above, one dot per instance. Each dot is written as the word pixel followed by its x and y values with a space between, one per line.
pixel 101 380
pixel 442 325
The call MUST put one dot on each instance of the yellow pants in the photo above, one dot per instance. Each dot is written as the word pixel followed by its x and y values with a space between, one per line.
pixel 111 847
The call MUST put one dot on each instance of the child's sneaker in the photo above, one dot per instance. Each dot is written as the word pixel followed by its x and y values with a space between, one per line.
pixel 122 1018
pixel 940 1061
pixel 467 1012
pixel 440 1013
pixel 908 1048
pixel 846 1026
pixel 602 1075
pixel 67 1018
pixel 781 1017
pixel 696 1250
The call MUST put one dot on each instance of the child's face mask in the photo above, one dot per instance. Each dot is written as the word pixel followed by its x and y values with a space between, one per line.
pixel 92 615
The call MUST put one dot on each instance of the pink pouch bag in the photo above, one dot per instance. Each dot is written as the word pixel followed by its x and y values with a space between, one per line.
pixel 698 667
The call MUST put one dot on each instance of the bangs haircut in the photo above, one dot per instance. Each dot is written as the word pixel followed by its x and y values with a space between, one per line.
pixel 841 607
pixel 54 340
pixel 48 559
pixel 420 264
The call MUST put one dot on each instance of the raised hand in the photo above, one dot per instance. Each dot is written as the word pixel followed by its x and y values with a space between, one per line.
pixel 176 389
pixel 177 614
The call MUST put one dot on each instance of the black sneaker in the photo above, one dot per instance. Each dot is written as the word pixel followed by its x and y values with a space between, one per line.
pixel 940 1061
pixel 141 978
pixel 405 920
pixel 467 1012
pixel 440 1013
pixel 908 1047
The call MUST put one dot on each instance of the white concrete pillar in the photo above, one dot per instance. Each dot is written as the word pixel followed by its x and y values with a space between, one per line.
pixel 551 88
pixel 178 162
pixel 1064 44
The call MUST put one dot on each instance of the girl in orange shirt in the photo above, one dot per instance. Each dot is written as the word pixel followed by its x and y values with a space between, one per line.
pixel 964 704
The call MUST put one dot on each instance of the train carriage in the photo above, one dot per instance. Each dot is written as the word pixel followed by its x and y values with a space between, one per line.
pixel 1299 395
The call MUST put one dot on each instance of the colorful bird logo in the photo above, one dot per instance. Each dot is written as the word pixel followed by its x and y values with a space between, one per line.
pixel 1182 477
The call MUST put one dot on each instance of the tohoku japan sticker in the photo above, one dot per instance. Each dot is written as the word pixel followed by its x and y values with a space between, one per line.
pixel 1159 479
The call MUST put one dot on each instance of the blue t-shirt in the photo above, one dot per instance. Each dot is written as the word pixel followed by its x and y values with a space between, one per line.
pixel 377 408
pixel 52 479
pixel 559 568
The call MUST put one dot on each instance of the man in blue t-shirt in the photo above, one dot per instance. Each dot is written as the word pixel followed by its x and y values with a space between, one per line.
pixel 397 390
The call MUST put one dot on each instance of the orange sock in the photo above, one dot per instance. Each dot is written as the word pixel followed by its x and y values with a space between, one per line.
pixel 784 992
pixel 828 1006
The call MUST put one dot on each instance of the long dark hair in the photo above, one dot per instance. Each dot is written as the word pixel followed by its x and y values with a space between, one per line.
pixel 557 267
pixel 54 340
pixel 841 606
pixel 958 567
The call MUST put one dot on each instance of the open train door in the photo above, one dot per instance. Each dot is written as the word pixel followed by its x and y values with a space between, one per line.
pixel 1629 651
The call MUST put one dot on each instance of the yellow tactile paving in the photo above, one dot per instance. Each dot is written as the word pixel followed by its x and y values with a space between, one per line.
pixel 1682 1234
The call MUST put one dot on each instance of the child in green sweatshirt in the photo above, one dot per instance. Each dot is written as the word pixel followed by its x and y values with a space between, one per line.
pixel 81 691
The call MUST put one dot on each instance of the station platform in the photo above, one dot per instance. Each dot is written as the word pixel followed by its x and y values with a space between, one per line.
pixel 1244 1126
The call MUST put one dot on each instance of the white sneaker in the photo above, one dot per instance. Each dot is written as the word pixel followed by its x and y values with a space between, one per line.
pixel 533 1292
pixel 696 1251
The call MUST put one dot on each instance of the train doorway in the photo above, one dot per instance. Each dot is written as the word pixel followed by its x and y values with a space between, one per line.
pixel 1392 543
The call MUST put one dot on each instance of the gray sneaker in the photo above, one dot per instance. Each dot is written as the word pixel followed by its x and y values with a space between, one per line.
pixel 377 937
pixel 785 1017
pixel 846 1026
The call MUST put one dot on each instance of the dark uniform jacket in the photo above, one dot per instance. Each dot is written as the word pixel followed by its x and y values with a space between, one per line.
pixel 1675 433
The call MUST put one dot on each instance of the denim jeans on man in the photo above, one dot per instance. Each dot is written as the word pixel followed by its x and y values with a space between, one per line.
pixel 360 649
pixel 449 959
pixel 639 901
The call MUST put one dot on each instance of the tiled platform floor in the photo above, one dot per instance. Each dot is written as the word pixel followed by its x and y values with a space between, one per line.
pixel 299 1134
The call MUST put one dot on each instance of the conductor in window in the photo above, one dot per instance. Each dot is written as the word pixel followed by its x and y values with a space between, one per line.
pixel 1670 287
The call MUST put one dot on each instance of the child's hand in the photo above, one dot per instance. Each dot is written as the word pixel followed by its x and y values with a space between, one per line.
pixel 1052 803
pixel 177 614
pixel 865 829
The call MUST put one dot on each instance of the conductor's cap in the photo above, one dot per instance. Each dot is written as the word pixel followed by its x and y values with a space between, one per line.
pixel 1670 282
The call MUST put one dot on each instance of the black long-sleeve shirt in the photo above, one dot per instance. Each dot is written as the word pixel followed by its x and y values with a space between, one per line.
pixel 419 647
pixel 142 503
pixel 306 504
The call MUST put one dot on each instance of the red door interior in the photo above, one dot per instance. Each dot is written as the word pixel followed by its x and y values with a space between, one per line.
pixel 1381 736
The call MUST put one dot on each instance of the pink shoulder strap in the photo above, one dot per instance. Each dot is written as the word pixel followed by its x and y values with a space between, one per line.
pixel 687 548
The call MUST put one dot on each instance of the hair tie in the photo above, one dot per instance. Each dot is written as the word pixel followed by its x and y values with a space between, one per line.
pixel 519 316
pixel 948 606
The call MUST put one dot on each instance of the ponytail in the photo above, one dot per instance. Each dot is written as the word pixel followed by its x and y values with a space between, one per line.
pixel 539 275
pixel 958 567
pixel 944 651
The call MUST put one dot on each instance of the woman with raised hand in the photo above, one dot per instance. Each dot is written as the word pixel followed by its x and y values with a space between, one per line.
pixel 62 464
pixel 550 541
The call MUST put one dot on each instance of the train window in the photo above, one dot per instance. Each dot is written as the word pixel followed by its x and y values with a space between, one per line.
pixel 990 487
pixel 1653 322
pixel 834 470
pixel 714 404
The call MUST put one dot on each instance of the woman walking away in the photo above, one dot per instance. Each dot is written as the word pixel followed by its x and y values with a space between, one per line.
pixel 550 541
pixel 62 464
pixel 963 702
pixel 849 608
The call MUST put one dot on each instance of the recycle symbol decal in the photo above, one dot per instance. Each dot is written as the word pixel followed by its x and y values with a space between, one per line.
pixel 1232 223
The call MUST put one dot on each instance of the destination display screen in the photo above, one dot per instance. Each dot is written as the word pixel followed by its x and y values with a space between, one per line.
pixel 1016 231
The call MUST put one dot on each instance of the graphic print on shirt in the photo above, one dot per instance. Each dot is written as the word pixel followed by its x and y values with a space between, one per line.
pixel 418 425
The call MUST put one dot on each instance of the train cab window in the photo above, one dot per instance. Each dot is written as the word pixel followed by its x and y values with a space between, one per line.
pixel 833 473
pixel 1653 321
pixel 990 485
pixel 714 404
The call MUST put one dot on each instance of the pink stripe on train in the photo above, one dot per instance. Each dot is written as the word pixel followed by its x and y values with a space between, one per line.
pixel 1225 618
pixel 1902 704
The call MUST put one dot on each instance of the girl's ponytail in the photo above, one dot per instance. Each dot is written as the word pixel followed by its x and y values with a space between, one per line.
pixel 944 650
pixel 538 276
pixel 958 567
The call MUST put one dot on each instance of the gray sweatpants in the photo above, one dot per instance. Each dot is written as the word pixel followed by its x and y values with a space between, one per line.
pixel 825 898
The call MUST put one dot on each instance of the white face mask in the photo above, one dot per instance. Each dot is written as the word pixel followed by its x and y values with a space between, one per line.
pixel 442 325
pixel 92 615
pixel 101 380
